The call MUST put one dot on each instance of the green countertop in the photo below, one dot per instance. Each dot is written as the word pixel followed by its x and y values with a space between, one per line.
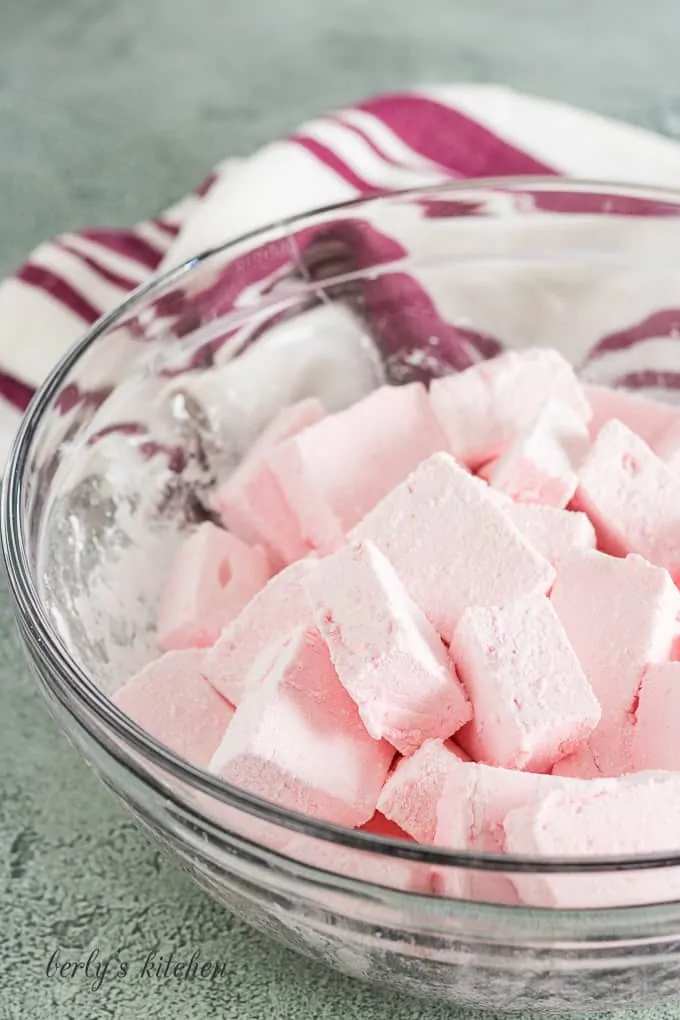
pixel 109 111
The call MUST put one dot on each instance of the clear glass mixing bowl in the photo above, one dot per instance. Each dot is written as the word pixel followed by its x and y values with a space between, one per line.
pixel 124 441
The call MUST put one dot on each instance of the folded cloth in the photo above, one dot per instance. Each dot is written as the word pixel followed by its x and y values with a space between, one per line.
pixel 390 142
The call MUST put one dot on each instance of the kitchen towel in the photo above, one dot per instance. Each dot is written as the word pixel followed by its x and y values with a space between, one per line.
pixel 390 142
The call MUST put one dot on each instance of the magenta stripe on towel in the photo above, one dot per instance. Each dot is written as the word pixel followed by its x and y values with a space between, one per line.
pixel 71 396
pixel 116 279
pixel 449 138
pixel 168 228
pixel 416 340
pixel 649 378
pixel 335 118
pixel 50 283
pixel 126 242
pixel 15 392
pixel 204 187
pixel 333 161
pixel 664 323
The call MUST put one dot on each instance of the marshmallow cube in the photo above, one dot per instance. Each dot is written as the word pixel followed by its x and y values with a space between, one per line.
pixel 388 656
pixel 531 701
pixel 250 502
pixel 277 609
pixel 412 791
pixel 407 876
pixel 379 825
pixel 440 797
pixel 334 472
pixel 656 734
pixel 553 533
pixel 212 577
pixel 288 422
pixel 171 701
pixel 649 419
pixel 668 446
pixel 482 409
pixel 632 498
pixel 297 739
pixel 475 799
pixel 582 764
pixel 539 465
pixel 452 545
pixel 473 803
pixel 619 615
pixel 637 814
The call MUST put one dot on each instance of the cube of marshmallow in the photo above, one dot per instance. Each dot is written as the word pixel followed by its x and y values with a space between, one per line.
pixel 439 797
pixel 277 609
pixel 408 876
pixel 531 701
pixel 212 577
pixel 389 658
pixel 474 802
pixel 452 545
pixel 539 465
pixel 632 815
pixel 288 422
pixel 174 704
pixel 632 497
pixel 649 419
pixel 297 739
pixel 553 533
pixel 619 615
pixel 381 826
pixel 334 472
pixel 667 446
pixel 412 792
pixel 475 799
pixel 250 501
pixel 482 409
pixel 656 718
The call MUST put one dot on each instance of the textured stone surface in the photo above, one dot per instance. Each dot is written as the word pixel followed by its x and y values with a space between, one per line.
pixel 109 111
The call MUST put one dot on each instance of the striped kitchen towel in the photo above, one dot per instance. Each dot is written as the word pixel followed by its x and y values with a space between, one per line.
pixel 390 142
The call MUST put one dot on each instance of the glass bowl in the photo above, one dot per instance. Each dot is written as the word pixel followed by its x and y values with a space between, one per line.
pixel 121 446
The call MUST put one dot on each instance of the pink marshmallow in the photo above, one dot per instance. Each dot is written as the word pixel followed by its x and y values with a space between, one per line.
pixel 412 792
pixel 656 743
pixel 277 609
pixel 632 498
pixel 212 577
pixel 619 615
pixel 381 826
pixel 667 446
pixel 531 701
pixel 474 800
pixel 336 471
pixel 287 423
pixel 633 815
pixel 553 533
pixel 254 508
pixel 389 658
pixel 482 409
pixel 582 764
pixel 473 803
pixel 649 419
pixel 539 465
pixel 171 701
pixel 297 739
pixel 452 545
pixel 408 876
pixel 250 501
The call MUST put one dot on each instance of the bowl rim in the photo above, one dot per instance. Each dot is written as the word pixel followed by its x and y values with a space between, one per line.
pixel 34 621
